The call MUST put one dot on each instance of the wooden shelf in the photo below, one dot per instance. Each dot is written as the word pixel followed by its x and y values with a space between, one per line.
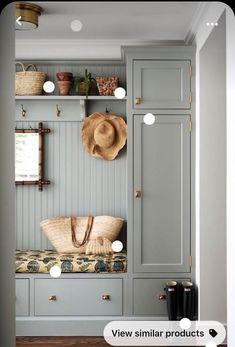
pixel 69 97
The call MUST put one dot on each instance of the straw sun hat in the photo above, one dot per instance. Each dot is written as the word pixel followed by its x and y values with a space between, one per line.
pixel 103 136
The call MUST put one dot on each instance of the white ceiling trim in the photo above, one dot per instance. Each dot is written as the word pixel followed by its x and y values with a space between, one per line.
pixel 79 49
pixel 197 18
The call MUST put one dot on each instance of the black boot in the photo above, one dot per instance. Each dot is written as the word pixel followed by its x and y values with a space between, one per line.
pixel 171 299
pixel 187 300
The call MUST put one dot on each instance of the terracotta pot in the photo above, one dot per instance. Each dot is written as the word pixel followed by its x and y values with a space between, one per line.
pixel 64 87
pixel 64 76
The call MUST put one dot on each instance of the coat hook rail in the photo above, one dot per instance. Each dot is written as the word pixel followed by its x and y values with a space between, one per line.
pixel 107 111
pixel 58 111
pixel 23 111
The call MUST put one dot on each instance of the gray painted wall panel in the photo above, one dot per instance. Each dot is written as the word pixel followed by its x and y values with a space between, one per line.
pixel 80 185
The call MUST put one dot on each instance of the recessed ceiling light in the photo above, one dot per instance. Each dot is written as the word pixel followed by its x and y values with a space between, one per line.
pixel 76 25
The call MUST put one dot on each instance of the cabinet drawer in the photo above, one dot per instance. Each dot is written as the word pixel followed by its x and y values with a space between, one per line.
pixel 162 84
pixel 78 297
pixel 22 297
pixel 146 296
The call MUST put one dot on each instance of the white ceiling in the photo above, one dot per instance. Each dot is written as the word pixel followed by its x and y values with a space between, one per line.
pixel 127 21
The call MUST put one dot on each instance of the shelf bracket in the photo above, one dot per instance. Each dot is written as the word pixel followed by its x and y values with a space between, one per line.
pixel 82 109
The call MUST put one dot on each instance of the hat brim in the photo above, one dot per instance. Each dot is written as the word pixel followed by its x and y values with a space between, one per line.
pixel 87 135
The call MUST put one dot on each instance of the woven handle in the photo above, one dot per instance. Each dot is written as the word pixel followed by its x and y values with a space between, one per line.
pixel 29 66
pixel 87 232
pixel 21 64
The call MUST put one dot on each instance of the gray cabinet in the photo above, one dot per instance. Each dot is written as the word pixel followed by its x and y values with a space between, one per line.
pixel 149 296
pixel 22 297
pixel 161 84
pixel 162 194
pixel 78 297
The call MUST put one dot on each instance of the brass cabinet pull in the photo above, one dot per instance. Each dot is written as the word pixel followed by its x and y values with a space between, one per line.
pixel 52 298
pixel 137 100
pixel 162 297
pixel 105 297
pixel 137 194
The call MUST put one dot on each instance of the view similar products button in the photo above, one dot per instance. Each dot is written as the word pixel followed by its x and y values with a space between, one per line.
pixel 164 333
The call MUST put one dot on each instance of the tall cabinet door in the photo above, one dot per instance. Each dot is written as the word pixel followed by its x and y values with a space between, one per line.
pixel 161 84
pixel 162 194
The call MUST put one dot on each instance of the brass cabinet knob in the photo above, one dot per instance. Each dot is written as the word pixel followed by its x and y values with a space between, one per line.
pixel 105 297
pixel 137 100
pixel 52 298
pixel 162 297
pixel 137 194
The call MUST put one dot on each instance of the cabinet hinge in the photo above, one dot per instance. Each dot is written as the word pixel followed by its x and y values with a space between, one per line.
pixel 190 126
pixel 190 70
pixel 190 260
pixel 190 97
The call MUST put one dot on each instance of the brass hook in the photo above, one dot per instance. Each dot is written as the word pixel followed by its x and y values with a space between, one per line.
pixel 58 111
pixel 23 111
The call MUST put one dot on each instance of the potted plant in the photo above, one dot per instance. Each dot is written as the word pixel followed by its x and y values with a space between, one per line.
pixel 83 84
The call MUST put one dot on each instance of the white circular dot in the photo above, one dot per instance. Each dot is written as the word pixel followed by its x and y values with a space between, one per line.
pixel 211 344
pixel 149 119
pixel 76 25
pixel 212 24
pixel 207 23
pixel 185 323
pixel 48 87
pixel 216 24
pixel 55 271
pixel 117 246
pixel 120 93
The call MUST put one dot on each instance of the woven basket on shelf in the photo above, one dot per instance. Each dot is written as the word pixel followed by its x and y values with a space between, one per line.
pixel 29 82
pixel 58 231
pixel 107 85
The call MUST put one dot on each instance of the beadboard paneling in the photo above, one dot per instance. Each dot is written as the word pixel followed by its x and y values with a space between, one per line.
pixel 80 184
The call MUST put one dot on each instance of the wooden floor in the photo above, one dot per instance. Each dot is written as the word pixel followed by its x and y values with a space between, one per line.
pixel 62 341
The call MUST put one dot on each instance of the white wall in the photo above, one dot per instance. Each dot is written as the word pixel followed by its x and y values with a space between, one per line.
pixel 214 11
pixel 212 195
pixel 7 186
pixel 230 76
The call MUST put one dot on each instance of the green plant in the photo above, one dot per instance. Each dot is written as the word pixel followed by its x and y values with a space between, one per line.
pixel 83 83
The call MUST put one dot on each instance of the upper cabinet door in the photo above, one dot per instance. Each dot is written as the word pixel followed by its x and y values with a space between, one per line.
pixel 162 194
pixel 161 84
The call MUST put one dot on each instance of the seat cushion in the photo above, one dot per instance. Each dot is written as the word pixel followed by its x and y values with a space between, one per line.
pixel 36 261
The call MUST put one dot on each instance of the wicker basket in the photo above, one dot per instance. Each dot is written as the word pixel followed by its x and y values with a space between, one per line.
pixel 107 85
pixel 29 82
pixel 58 231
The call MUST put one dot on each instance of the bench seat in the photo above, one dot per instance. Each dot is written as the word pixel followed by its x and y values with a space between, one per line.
pixel 40 261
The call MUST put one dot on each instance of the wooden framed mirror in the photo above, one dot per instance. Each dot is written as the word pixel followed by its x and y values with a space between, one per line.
pixel 29 156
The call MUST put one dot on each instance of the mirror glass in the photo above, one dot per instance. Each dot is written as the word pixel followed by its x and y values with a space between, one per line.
pixel 26 157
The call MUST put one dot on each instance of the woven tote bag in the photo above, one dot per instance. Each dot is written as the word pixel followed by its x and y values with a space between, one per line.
pixel 59 231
